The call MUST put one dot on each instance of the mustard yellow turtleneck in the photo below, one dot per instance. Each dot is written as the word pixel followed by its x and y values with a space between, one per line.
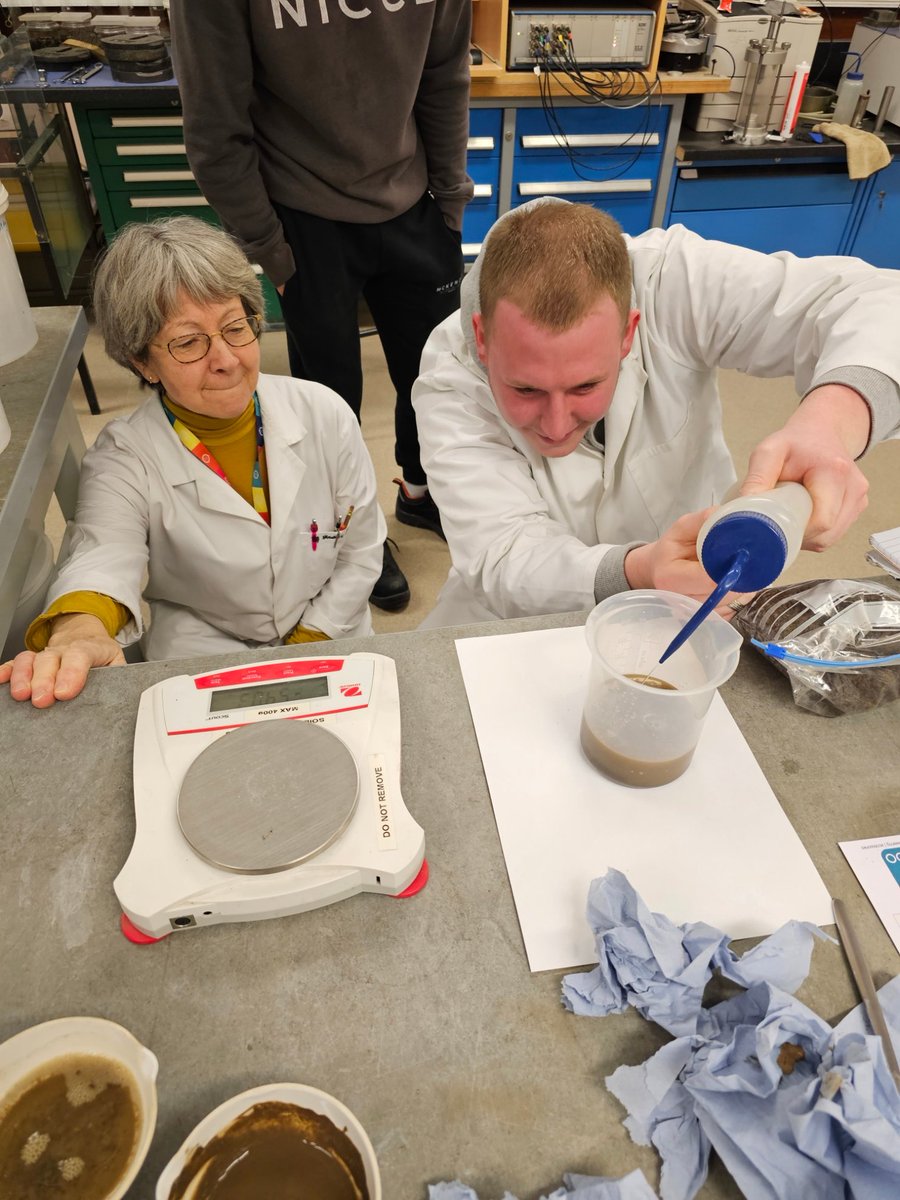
pixel 232 441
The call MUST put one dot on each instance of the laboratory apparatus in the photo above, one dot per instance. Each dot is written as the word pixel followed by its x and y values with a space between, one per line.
pixel 746 544
pixel 729 35
pixel 264 790
pixel 765 59
pixel 683 42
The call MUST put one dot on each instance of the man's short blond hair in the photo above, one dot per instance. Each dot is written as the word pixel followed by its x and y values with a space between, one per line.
pixel 554 262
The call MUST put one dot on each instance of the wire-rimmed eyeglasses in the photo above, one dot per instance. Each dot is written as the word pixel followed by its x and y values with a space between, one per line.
pixel 191 347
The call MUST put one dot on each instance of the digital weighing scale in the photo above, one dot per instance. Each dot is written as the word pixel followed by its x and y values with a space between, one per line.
pixel 264 790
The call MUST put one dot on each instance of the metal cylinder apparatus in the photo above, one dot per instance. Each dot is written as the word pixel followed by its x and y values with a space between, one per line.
pixel 886 97
pixel 765 58
pixel 860 111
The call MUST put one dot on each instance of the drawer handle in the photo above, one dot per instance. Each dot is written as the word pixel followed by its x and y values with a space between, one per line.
pixel 543 141
pixel 157 176
pixel 480 143
pixel 584 187
pixel 471 249
pixel 482 190
pixel 166 201
pixel 146 122
pixel 148 148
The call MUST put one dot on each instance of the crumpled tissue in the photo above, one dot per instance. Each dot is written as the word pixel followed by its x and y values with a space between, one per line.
pixel 793 1107
pixel 576 1187
pixel 661 969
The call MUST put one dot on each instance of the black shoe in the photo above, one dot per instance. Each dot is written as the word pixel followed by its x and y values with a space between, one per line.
pixel 422 512
pixel 391 592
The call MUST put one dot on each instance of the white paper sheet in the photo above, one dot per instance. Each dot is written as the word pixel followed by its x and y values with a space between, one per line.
pixel 876 864
pixel 714 845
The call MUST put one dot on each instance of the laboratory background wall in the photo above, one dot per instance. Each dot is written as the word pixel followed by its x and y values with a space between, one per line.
pixel 644 141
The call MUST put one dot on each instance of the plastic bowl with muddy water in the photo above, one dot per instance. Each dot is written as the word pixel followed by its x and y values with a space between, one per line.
pixel 77 1110
pixel 266 1142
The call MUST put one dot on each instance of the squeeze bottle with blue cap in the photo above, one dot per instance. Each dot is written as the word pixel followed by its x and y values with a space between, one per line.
pixel 848 93
pixel 768 526
pixel 746 544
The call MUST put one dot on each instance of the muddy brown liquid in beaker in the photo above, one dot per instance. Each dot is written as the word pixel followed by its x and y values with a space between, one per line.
pixel 635 772
pixel 70 1130
pixel 274 1151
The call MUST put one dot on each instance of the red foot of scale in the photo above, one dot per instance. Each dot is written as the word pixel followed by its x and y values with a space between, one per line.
pixel 135 935
pixel 417 884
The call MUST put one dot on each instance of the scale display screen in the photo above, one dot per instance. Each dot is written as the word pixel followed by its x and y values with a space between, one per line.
pixel 259 694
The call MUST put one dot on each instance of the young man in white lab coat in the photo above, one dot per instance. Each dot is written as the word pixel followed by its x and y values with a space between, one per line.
pixel 569 417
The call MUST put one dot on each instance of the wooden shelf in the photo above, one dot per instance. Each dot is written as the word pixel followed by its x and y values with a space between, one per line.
pixel 487 70
pixel 507 85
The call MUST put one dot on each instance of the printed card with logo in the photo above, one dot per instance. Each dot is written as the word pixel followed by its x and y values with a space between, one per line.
pixel 876 864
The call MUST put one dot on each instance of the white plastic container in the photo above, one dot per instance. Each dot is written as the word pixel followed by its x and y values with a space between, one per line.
pixel 289 1093
pixel 849 91
pixel 28 1052
pixel 769 526
pixel 18 333
pixel 636 734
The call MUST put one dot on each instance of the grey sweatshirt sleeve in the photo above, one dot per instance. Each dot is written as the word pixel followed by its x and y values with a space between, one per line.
pixel 610 579
pixel 442 109
pixel 879 391
pixel 211 45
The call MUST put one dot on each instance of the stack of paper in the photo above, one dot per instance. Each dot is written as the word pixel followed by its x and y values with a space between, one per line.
pixel 885 552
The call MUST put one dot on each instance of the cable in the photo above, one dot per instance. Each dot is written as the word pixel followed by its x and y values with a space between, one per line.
pixel 495 61
pixel 731 56
pixel 860 55
pixel 555 59
pixel 826 14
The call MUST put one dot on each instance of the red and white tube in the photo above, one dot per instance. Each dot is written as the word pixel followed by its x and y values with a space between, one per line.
pixel 795 95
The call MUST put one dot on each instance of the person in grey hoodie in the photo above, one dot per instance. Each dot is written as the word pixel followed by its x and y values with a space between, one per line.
pixel 330 138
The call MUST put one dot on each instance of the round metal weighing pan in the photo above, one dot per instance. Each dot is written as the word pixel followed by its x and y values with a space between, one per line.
pixel 289 1093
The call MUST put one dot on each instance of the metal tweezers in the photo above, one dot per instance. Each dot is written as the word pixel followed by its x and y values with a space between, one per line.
pixel 863 976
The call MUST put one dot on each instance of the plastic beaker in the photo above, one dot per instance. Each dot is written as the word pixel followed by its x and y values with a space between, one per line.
pixel 645 734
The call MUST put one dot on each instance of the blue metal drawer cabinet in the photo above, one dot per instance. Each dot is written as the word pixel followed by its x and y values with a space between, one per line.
pixel 483 163
pixel 804 208
pixel 605 155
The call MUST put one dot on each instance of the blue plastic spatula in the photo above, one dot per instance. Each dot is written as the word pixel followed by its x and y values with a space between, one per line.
pixel 725 584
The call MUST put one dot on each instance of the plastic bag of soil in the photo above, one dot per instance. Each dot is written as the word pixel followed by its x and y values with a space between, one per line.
pixel 837 640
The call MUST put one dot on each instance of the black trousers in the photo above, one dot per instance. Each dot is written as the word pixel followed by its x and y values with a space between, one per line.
pixel 408 269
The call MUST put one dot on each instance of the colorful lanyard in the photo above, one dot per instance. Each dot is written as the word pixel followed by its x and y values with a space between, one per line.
pixel 197 448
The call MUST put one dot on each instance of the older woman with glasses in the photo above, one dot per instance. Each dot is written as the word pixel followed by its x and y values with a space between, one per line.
pixel 224 501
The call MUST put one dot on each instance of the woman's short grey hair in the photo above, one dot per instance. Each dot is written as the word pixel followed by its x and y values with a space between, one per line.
pixel 139 280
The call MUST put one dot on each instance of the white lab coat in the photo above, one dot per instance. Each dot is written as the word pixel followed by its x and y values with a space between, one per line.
pixel 217 576
pixel 527 533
